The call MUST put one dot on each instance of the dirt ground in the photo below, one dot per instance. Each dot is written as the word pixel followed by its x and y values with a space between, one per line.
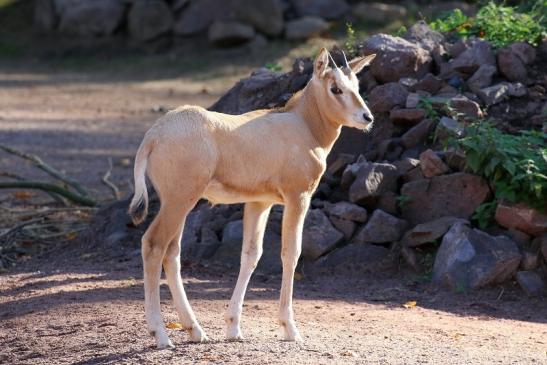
pixel 78 305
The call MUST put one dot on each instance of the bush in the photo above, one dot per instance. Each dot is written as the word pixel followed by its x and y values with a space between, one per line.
pixel 514 165
pixel 501 25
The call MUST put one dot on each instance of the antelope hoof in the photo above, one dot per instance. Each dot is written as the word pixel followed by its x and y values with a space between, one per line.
pixel 163 342
pixel 290 333
pixel 198 335
pixel 233 333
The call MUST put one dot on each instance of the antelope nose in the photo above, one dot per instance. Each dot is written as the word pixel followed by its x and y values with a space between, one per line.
pixel 368 117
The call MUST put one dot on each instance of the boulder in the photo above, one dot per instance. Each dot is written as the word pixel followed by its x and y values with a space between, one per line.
pixel 429 232
pixel 469 108
pixel 319 235
pixel 524 51
pixel 521 217
pixel 346 210
pixel 406 164
pixel 441 196
pixel 530 260
pixel 327 9
pixel 230 33
pixel 383 98
pixel 198 16
pixel 541 242
pixel 355 259
pixel 428 83
pixel 90 18
pixel 396 58
pixel 337 166
pixel 532 284
pixel 413 99
pixel 378 12
pixel 407 116
pixel 494 94
pixel 372 180
pixel 482 77
pixel 149 19
pixel 381 228
pixel 469 61
pixel 423 35
pixel 344 226
pixel 229 252
pixel 45 18
pixel 388 202
pixel 448 128
pixel 511 66
pixel 418 134
pixel 431 164
pixel 470 259
pixel 305 27
pixel 266 15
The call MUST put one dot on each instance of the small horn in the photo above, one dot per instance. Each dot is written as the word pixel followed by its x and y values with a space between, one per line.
pixel 332 60
pixel 346 65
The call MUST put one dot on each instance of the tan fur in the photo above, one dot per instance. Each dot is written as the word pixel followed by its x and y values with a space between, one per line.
pixel 261 158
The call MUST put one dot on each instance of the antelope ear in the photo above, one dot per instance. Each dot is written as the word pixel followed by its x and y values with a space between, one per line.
pixel 358 64
pixel 321 63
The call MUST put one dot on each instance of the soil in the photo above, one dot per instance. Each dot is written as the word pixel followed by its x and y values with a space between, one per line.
pixel 77 303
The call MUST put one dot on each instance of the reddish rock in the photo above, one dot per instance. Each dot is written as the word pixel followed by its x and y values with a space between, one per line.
pixel 524 51
pixel 429 232
pixel 521 217
pixel 431 164
pixel 466 106
pixel 383 98
pixel 417 134
pixel 511 66
pixel 428 83
pixel 455 195
pixel 469 61
pixel 407 116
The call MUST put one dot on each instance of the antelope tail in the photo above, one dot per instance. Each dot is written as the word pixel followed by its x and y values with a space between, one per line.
pixel 138 209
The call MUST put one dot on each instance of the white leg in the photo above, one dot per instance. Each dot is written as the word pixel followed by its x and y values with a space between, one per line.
pixel 254 224
pixel 293 224
pixel 171 265
pixel 155 242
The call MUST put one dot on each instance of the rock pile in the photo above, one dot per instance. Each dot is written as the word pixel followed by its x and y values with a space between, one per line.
pixel 398 193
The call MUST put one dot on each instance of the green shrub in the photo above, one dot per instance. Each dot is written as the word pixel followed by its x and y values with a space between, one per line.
pixel 501 25
pixel 514 165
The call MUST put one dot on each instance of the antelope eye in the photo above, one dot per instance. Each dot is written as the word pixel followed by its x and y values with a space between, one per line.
pixel 335 90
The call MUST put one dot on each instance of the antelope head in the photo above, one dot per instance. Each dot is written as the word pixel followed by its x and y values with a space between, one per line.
pixel 337 91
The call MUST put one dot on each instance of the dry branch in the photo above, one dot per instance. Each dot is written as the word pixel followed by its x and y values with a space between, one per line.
pixel 75 198
pixel 110 184
pixel 39 163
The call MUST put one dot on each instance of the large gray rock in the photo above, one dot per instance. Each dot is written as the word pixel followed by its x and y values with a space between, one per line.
pixel 383 98
pixel 532 284
pixel 426 37
pixel 199 15
pixel 511 66
pixel 90 18
pixel 229 252
pixel 396 58
pixel 265 15
pixel 327 9
pixel 471 259
pixel 418 134
pixel 148 19
pixel 378 12
pixel 455 195
pixel 482 77
pixel 319 235
pixel 469 61
pixel 381 228
pixel 429 232
pixel 305 27
pixel 230 33
pixel 45 16
pixel 524 51
pixel 356 258
pixel 347 211
pixel 372 180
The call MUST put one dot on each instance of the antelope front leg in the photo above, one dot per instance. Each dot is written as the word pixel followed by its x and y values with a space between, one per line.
pixel 254 224
pixel 293 224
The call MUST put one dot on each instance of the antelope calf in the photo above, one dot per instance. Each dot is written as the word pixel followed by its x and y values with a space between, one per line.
pixel 260 158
